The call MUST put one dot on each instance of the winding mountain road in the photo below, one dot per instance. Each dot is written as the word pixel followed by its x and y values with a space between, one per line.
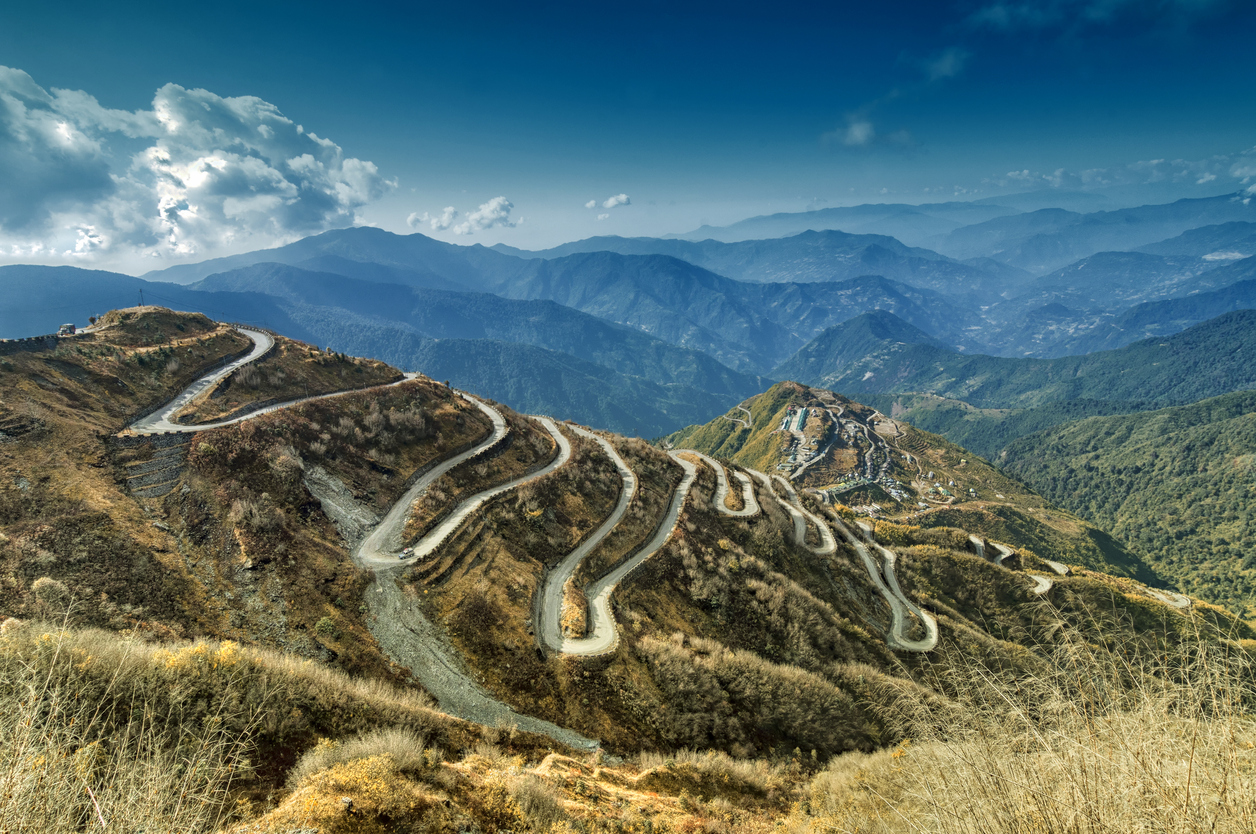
pixel 551 633
pixel 382 545
pixel 398 624
pixel 161 421
pixel 1042 584
pixel 800 514
pixel 406 635
pixel 751 505
pixel 889 589
pixel 603 634
pixel 1003 552
pixel 745 423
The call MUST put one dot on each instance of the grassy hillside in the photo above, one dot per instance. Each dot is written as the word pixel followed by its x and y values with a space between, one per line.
pixel 243 641
pixel 1176 485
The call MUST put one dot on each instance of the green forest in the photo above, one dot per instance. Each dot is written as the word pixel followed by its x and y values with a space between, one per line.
pixel 1176 484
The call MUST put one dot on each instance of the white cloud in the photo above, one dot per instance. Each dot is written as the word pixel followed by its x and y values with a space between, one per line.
pixel 592 204
pixel 617 200
pixel 860 132
pixel 496 212
pixel 438 223
pixel 196 175
pixel 88 241
pixel 1240 166
pixel 602 216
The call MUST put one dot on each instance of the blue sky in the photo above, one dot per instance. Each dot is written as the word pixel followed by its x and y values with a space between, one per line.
pixel 135 140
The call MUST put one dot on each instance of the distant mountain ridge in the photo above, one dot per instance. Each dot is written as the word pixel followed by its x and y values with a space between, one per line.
pixel 1222 241
pixel 812 256
pixel 909 223
pixel 1048 239
pixel 441 314
pixel 1208 359
pixel 747 326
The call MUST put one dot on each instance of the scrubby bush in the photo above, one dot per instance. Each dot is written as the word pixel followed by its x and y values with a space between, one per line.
pixel 326 627
pixel 407 749
pixel 538 801
pixel 52 595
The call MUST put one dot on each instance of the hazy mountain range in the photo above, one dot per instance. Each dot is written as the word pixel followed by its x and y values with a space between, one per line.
pixel 647 334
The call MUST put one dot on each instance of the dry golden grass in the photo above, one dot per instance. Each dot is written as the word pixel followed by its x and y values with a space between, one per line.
pixel 1096 744
pixel 70 763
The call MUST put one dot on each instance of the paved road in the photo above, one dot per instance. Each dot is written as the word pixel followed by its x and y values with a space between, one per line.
pixel 738 420
pixel 1042 584
pixel 889 589
pixel 1003 552
pixel 1058 567
pixel 161 421
pixel 552 594
pixel 751 505
pixel 383 543
pixel 603 634
pixel 399 624
pixel 828 544
pixel 801 516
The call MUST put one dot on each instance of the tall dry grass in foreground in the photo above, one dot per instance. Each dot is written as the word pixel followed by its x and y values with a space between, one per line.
pixel 101 732
pixel 72 762
pixel 1097 745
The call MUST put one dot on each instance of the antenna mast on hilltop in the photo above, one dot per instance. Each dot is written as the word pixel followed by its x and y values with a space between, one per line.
pixel 141 298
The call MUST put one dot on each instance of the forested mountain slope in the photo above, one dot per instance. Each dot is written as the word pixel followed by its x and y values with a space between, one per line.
pixel 1215 357
pixel 1178 485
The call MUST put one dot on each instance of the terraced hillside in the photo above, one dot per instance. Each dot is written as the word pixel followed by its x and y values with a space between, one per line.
pixel 575 589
